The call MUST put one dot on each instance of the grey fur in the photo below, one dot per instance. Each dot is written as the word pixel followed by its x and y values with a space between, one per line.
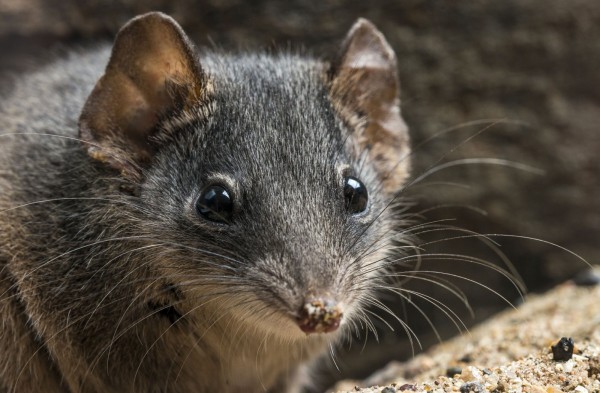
pixel 114 286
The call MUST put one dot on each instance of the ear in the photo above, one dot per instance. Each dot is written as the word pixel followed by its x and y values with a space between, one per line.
pixel 152 72
pixel 365 91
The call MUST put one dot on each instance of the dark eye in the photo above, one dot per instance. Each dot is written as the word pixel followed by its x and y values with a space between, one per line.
pixel 356 195
pixel 215 204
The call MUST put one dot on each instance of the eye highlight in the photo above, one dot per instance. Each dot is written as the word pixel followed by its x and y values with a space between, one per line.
pixel 215 204
pixel 356 195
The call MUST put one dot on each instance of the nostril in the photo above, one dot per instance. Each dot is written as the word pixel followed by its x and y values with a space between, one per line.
pixel 320 316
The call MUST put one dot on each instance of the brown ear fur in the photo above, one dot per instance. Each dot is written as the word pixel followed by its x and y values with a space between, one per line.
pixel 152 71
pixel 364 86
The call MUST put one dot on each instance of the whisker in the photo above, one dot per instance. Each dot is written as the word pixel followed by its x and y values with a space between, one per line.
pixel 582 259
pixel 446 310
pixel 470 161
pixel 469 280
pixel 104 199
pixel 51 135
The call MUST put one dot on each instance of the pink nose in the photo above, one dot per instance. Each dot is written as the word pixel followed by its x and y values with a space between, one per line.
pixel 320 316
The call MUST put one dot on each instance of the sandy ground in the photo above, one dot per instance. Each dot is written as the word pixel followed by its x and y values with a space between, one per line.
pixel 509 353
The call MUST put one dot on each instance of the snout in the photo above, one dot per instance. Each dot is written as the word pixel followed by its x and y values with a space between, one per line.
pixel 320 315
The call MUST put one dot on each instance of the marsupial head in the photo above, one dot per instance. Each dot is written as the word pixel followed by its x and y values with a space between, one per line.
pixel 266 179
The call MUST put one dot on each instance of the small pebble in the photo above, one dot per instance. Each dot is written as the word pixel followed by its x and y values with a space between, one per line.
pixel 466 358
pixel 569 365
pixel 452 371
pixel 471 373
pixel 594 367
pixel 587 278
pixel 388 390
pixel 563 349
pixel 474 387
pixel 407 386
pixel 537 389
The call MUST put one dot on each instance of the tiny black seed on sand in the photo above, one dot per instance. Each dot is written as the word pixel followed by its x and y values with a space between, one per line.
pixel 563 349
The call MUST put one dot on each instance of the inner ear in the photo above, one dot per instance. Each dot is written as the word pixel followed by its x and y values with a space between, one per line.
pixel 152 73
pixel 365 91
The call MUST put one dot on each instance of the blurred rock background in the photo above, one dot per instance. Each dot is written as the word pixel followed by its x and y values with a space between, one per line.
pixel 517 80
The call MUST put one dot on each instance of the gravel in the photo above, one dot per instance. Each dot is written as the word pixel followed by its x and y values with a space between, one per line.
pixel 511 352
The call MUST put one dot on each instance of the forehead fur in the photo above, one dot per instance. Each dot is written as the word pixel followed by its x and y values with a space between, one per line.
pixel 273 101
pixel 271 120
